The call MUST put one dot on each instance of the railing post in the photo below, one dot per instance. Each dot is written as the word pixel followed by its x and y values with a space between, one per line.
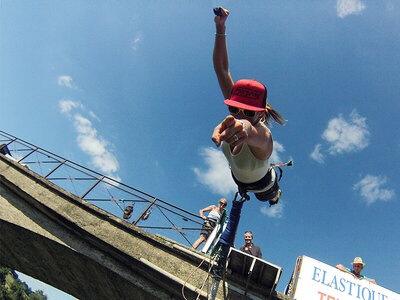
pixel 48 174
pixel 27 155
pixel 101 179
pixel 145 211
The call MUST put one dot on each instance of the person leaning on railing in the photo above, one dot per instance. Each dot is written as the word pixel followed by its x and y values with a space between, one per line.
pixel 210 221
pixel 358 265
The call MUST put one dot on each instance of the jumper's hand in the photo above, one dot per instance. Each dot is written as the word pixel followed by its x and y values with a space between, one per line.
pixel 220 19
pixel 231 131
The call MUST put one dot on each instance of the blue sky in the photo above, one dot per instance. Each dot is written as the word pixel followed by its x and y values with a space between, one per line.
pixel 128 89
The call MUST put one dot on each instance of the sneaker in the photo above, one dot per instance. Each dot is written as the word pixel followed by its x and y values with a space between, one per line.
pixel 276 198
pixel 128 212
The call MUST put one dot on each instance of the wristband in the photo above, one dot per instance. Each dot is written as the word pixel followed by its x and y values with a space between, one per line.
pixel 220 34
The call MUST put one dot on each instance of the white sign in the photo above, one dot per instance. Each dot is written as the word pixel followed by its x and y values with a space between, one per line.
pixel 319 281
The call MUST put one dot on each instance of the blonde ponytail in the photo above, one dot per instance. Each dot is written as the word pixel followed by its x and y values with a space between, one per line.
pixel 270 112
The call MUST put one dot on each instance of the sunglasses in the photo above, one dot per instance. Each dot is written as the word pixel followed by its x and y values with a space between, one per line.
pixel 222 203
pixel 235 110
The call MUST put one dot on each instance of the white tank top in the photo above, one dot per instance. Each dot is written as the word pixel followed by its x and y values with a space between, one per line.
pixel 244 165
pixel 214 215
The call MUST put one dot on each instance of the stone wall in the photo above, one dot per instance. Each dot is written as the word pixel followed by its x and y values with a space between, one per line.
pixel 58 238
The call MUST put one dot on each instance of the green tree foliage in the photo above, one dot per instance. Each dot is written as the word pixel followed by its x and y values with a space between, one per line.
pixel 38 295
pixel 3 273
pixel 4 294
pixel 14 289
pixel 17 291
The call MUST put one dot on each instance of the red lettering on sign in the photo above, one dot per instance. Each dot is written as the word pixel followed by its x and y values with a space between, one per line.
pixel 322 295
pixel 329 297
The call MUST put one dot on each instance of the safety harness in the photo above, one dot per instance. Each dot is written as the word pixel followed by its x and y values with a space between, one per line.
pixel 272 195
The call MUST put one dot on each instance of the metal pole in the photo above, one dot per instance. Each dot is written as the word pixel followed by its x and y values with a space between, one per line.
pixel 92 187
pixel 151 204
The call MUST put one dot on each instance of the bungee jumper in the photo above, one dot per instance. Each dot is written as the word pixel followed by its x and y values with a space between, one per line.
pixel 244 138
pixel 243 135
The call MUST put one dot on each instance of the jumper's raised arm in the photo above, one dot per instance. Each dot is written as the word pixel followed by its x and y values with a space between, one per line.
pixel 220 54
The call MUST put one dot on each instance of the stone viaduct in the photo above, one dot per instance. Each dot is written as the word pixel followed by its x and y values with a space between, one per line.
pixel 69 243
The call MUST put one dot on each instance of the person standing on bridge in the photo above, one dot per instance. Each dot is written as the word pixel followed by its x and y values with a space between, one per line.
pixel 249 247
pixel 210 221
pixel 358 265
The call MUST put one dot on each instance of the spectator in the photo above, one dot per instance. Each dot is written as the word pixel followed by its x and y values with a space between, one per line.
pixel 4 150
pixel 249 247
pixel 210 221
pixel 358 265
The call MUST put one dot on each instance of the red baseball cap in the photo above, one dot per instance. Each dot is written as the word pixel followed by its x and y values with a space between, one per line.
pixel 248 94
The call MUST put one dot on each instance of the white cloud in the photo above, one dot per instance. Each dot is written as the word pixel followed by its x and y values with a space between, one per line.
pixel 95 146
pixel 275 211
pixel 278 148
pixel 89 140
pixel 84 126
pixel 65 80
pixel 112 182
pixel 106 162
pixel 136 41
pixel 94 116
pixel 349 7
pixel 343 136
pixel 317 155
pixel 371 190
pixel 217 175
pixel 346 135
pixel 67 105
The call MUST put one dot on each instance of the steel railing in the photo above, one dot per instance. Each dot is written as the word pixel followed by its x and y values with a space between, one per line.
pixel 150 213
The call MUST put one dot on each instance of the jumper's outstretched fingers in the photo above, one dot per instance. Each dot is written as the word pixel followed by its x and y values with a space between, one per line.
pixel 230 130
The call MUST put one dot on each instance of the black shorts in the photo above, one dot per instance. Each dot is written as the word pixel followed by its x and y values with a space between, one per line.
pixel 265 196
pixel 269 195
pixel 208 227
